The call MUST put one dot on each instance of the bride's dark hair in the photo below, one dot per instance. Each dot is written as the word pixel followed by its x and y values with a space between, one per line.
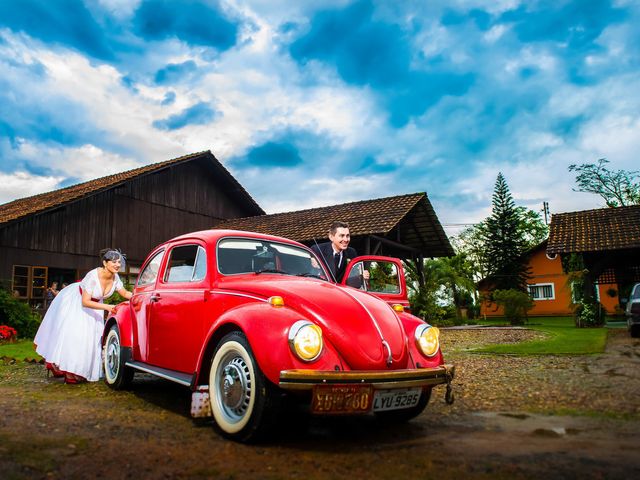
pixel 111 254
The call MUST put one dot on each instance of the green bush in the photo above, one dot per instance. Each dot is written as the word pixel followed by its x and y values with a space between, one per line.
pixel 516 304
pixel 589 314
pixel 18 315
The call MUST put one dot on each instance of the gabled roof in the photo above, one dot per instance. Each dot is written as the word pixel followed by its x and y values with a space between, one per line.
pixel 595 230
pixel 412 214
pixel 39 203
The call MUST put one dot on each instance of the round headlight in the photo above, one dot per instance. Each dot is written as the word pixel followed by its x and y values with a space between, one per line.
pixel 427 338
pixel 305 340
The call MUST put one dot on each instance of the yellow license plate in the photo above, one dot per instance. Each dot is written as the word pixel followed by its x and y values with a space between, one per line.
pixel 337 399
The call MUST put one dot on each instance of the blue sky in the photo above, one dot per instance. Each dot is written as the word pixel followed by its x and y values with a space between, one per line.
pixel 313 103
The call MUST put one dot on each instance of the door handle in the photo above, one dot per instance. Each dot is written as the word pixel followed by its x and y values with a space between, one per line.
pixel 155 297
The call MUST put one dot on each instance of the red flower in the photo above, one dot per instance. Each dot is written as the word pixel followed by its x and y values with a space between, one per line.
pixel 7 333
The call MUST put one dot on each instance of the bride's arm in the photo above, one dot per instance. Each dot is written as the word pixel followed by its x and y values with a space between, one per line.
pixel 88 303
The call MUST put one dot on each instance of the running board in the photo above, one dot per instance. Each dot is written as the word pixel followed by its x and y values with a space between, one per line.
pixel 171 375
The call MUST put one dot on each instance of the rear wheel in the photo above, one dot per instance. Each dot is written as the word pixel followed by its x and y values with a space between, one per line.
pixel 242 399
pixel 116 374
pixel 406 414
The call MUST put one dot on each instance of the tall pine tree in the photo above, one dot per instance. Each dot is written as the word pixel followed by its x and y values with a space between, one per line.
pixel 505 242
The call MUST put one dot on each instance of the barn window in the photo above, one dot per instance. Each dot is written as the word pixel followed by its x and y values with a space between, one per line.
pixel 29 283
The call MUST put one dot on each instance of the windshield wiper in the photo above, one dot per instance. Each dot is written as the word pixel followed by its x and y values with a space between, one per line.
pixel 314 275
pixel 271 270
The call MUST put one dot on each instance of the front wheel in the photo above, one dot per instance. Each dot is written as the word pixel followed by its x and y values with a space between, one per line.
pixel 242 399
pixel 116 374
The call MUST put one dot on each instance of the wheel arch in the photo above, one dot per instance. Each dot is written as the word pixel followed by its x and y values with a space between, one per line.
pixel 207 352
pixel 122 319
pixel 266 329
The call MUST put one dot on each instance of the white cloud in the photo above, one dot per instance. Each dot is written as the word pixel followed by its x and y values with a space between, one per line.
pixel 120 9
pixel 23 184
pixel 84 163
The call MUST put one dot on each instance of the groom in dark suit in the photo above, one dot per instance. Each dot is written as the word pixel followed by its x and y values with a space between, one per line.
pixel 336 253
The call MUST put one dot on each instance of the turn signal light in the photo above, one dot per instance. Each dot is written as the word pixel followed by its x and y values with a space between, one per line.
pixel 276 301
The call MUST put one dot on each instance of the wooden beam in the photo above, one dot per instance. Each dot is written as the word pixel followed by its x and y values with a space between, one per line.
pixel 391 243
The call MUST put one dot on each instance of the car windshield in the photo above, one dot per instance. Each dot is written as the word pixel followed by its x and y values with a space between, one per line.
pixel 246 255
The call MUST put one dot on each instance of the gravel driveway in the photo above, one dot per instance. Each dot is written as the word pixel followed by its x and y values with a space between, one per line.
pixel 514 417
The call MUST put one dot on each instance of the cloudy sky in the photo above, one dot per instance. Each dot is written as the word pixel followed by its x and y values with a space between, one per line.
pixel 312 103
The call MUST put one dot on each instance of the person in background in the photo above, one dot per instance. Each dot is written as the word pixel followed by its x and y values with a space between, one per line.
pixel 70 335
pixel 50 294
pixel 336 253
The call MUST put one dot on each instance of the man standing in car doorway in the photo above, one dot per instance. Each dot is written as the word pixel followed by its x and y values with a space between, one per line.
pixel 336 253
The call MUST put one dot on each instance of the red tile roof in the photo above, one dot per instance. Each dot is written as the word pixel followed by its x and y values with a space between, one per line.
pixel 595 230
pixel 411 213
pixel 38 203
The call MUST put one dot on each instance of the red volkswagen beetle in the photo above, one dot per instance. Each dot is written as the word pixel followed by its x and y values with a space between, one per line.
pixel 248 321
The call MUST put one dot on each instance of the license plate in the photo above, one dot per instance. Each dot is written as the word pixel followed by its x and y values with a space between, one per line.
pixel 395 399
pixel 337 399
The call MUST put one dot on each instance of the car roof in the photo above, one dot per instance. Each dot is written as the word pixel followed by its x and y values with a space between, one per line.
pixel 211 236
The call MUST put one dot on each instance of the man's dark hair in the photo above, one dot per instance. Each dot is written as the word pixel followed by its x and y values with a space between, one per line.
pixel 336 225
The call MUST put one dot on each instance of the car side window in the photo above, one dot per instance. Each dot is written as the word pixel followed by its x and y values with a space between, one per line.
pixel 636 293
pixel 150 272
pixel 383 277
pixel 187 263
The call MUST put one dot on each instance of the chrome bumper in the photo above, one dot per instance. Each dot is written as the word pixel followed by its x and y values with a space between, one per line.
pixel 417 377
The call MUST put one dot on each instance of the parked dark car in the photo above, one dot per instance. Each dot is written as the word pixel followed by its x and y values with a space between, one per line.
pixel 633 311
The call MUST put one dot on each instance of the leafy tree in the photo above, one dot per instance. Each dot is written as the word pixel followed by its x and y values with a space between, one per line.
pixel 471 241
pixel 444 279
pixel 423 285
pixel 456 276
pixel 617 188
pixel 505 242
pixel 532 226
pixel 516 304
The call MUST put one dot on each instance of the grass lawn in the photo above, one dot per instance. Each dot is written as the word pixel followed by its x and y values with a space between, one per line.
pixel 20 350
pixel 563 338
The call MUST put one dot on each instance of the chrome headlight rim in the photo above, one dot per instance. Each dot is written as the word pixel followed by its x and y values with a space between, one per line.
pixel 420 332
pixel 294 332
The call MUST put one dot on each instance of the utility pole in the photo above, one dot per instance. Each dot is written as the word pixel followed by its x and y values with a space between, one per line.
pixel 545 209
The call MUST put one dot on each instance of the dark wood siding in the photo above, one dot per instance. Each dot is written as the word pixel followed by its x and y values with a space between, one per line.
pixel 80 228
pixel 191 187
pixel 134 216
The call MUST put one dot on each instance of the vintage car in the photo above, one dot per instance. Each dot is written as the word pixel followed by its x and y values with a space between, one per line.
pixel 252 322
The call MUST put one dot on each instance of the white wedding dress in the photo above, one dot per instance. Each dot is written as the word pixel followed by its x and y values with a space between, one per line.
pixel 70 335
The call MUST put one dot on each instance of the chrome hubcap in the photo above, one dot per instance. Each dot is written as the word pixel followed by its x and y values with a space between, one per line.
pixel 113 357
pixel 234 387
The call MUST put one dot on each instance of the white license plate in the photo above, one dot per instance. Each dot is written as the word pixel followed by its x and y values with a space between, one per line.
pixel 395 399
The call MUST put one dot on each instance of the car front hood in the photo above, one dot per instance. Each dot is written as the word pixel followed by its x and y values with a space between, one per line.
pixel 357 324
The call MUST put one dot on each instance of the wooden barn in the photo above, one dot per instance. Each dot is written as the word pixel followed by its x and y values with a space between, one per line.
pixel 56 236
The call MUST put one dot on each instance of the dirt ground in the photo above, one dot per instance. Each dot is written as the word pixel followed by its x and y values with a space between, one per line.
pixel 514 417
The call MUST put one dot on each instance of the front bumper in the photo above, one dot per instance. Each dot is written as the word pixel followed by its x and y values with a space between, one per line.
pixel 415 377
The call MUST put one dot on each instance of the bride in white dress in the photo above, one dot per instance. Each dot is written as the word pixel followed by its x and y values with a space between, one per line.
pixel 70 335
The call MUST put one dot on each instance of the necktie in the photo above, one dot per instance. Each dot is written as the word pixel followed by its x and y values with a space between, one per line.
pixel 336 259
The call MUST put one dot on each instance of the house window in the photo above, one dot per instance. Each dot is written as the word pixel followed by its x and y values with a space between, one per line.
pixel 542 291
